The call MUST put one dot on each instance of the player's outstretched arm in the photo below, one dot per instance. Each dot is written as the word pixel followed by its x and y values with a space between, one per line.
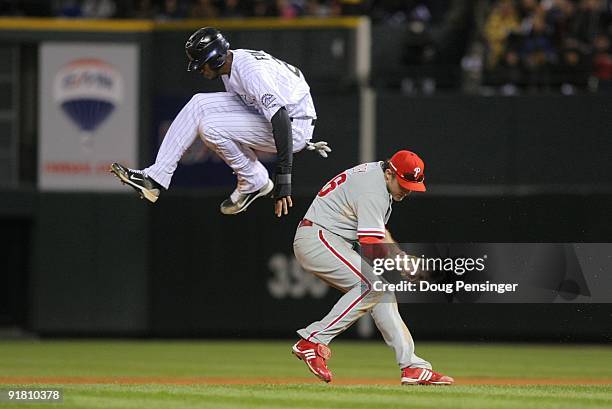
pixel 281 129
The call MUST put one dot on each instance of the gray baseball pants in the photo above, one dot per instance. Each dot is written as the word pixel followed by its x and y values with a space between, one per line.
pixel 332 259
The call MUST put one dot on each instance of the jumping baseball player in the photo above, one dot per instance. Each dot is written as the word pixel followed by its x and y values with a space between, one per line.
pixel 355 206
pixel 267 107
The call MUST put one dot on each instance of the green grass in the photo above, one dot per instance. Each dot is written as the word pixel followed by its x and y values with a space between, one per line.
pixel 351 360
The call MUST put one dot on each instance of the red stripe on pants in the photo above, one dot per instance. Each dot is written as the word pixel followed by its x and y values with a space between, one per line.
pixel 354 270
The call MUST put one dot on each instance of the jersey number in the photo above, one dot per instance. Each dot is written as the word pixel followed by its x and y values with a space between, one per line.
pixel 259 55
pixel 332 184
pixel 290 67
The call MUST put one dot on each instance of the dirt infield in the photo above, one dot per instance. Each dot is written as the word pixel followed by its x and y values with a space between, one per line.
pixel 143 380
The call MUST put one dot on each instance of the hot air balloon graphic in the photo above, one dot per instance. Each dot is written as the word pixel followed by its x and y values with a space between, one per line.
pixel 88 90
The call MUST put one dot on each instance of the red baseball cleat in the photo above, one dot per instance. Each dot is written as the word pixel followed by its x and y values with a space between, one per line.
pixel 423 376
pixel 314 355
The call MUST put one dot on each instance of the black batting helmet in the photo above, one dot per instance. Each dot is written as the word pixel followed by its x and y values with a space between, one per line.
pixel 207 45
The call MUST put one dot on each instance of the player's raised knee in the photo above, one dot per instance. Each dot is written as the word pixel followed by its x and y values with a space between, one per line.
pixel 209 132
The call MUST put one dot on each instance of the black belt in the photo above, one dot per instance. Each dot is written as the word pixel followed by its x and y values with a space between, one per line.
pixel 314 120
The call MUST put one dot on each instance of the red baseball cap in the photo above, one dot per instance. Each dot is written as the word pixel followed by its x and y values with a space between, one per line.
pixel 409 169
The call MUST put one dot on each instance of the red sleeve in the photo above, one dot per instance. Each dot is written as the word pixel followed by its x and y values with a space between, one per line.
pixel 370 240
pixel 372 247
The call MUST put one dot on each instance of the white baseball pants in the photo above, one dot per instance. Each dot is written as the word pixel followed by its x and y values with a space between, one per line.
pixel 332 259
pixel 230 128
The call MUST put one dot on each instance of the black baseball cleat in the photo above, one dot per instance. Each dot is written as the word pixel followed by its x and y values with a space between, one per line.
pixel 244 200
pixel 146 187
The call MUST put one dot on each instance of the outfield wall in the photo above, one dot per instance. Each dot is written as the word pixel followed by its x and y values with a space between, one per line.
pixel 530 141
pixel 109 264
pixel 112 265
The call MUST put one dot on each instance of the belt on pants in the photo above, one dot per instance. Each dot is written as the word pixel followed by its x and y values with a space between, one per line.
pixel 305 223
pixel 312 122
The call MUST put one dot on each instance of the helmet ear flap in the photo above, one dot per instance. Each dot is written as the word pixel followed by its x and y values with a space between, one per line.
pixel 219 56
pixel 216 62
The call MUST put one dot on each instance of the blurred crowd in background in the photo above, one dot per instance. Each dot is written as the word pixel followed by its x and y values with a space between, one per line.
pixel 548 43
pixel 505 46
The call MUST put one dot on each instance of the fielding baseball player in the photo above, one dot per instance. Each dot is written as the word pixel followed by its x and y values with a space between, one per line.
pixel 267 107
pixel 356 205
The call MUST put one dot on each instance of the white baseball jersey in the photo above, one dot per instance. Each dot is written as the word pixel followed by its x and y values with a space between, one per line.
pixel 354 203
pixel 267 83
pixel 236 123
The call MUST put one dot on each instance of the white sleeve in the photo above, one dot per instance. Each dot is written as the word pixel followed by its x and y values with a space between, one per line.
pixel 371 209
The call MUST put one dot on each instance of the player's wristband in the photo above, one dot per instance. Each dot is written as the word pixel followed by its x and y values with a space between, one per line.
pixel 284 179
pixel 282 185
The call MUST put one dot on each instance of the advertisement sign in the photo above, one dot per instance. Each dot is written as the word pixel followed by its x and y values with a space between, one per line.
pixel 88 118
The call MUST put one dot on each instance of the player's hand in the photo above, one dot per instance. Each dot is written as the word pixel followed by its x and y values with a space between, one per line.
pixel 410 274
pixel 319 147
pixel 282 206
pixel 282 193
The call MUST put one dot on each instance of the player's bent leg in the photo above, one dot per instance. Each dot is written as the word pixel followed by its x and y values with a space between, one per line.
pixel 333 259
pixel 182 133
pixel 146 187
pixel 253 179
pixel 395 332
pixel 415 370
pixel 348 309
pixel 180 136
